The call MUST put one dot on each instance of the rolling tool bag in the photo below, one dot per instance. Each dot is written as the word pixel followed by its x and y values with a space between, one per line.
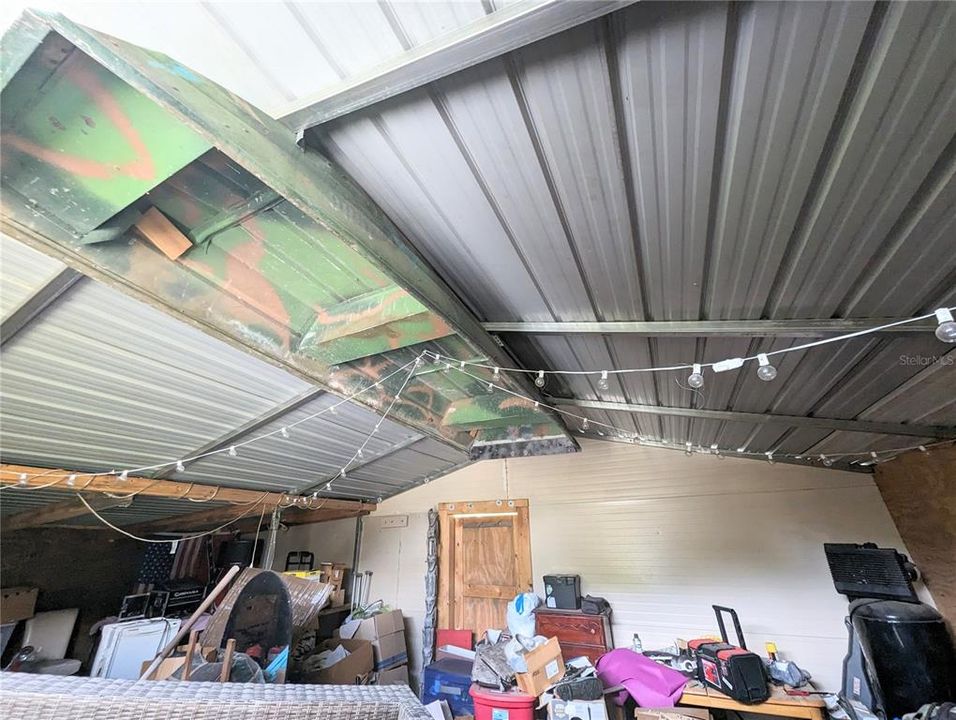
pixel 733 670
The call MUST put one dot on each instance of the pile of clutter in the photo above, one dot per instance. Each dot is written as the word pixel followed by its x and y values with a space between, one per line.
pixel 367 648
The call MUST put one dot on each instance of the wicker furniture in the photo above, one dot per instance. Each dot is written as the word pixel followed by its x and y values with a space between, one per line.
pixel 48 697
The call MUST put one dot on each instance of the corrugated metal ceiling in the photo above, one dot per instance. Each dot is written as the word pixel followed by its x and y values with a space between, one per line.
pixel 673 161
pixel 101 381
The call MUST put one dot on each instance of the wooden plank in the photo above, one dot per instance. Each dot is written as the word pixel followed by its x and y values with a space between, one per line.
pixel 483 507
pixel 58 512
pixel 522 545
pixel 227 660
pixel 445 566
pixel 160 231
pixel 56 478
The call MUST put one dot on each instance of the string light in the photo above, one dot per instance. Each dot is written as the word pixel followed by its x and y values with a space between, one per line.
pixel 695 379
pixel 180 466
pixel 539 381
pixel 946 330
pixel 602 383
pixel 284 432
pixel 765 371
pixel 232 451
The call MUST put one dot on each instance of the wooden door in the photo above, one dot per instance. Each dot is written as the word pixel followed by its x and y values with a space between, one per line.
pixel 485 560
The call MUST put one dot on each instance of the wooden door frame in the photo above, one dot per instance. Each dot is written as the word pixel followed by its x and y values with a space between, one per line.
pixel 446 558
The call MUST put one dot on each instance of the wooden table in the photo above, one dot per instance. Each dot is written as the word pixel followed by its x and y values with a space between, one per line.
pixel 809 707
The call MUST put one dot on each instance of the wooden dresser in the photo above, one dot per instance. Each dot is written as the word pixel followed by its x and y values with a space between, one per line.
pixel 579 634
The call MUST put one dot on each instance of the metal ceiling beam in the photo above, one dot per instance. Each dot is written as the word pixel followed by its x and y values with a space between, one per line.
pixel 396 448
pixel 512 27
pixel 234 436
pixel 863 426
pixel 702 328
pixel 38 302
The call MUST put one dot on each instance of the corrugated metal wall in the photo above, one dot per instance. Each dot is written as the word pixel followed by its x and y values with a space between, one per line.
pixel 663 537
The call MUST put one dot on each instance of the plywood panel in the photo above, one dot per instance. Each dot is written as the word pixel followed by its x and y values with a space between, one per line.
pixel 920 491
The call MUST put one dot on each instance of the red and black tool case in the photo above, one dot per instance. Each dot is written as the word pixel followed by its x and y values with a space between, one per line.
pixel 735 671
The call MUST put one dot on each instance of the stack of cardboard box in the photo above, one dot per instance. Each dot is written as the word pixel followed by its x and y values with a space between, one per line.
pixel 386 632
pixel 334 575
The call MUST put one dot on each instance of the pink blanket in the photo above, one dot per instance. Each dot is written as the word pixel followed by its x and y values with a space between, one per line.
pixel 649 683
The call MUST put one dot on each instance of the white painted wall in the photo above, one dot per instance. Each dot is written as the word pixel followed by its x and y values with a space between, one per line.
pixel 663 537
pixel 332 541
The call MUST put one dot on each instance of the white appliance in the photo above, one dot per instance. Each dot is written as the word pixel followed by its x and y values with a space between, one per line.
pixel 125 646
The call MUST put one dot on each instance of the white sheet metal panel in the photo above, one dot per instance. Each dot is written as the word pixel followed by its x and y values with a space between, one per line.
pixel 664 537
pixel 23 271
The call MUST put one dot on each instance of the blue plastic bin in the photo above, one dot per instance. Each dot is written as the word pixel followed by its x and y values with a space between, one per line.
pixel 449 679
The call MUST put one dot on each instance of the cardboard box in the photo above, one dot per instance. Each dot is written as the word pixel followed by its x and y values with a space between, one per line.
pixel 17 603
pixel 545 668
pixel 682 713
pixel 393 676
pixel 353 670
pixel 386 632
pixel 577 710
pixel 338 598
pixel 333 573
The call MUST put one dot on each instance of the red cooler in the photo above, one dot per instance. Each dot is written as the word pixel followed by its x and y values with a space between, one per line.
pixel 493 705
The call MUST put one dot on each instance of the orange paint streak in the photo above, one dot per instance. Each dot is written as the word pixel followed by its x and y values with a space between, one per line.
pixel 141 167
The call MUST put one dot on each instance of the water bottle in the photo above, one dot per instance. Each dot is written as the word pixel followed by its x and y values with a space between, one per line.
pixel 636 645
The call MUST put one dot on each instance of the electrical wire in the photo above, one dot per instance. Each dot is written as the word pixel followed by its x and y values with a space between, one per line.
pixel 178 539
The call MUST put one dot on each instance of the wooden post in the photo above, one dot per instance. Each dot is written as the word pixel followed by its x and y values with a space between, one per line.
pixel 227 660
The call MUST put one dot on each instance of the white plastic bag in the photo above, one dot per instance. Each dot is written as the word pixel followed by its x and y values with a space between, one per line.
pixel 521 614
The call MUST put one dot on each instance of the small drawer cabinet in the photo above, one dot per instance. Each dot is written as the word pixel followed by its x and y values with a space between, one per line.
pixel 578 633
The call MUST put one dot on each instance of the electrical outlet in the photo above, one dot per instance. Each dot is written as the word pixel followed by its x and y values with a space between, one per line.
pixel 396 521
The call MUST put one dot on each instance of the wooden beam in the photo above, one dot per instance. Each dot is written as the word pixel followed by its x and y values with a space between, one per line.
pixel 213 517
pixel 711 328
pixel 818 423
pixel 147 487
pixel 160 231
pixel 58 512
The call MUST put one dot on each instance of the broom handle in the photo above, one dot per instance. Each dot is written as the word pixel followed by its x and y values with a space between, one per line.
pixel 184 628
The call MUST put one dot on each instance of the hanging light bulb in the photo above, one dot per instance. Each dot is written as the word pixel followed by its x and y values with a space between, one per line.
pixel 360 453
pixel 71 481
pixel 585 425
pixel 946 330
pixel 328 486
pixel 23 480
pixel 124 476
pixel 284 432
pixel 766 371
pixel 769 455
pixel 446 368
pixel 378 499
pixel 688 448
pixel 539 381
pixel 332 410
pixel 180 467
pixel 342 474
pixel 232 451
pixel 490 389
pixel 695 379
pixel 461 365
pixel 496 374
pixel 602 383
pixel 826 461
pixel 437 358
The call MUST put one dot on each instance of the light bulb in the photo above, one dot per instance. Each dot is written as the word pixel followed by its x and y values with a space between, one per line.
pixel 378 499
pixel 490 389
pixel 328 486
pixel 696 379
pixel 284 432
pixel 496 374
pixel 769 455
pixel 332 410
pixel 71 481
pixel 585 425
pixel 539 381
pixel 232 451
pixel 602 383
pixel 180 467
pixel 766 371
pixel 124 476
pixel 23 480
pixel 826 461
pixel 437 358
pixel 446 368
pixel 946 330
pixel 342 474
pixel 688 449
pixel 360 453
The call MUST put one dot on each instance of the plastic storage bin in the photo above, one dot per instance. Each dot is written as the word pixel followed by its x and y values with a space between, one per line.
pixel 492 705
pixel 449 679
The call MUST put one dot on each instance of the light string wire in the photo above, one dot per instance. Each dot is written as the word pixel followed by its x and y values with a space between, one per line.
pixel 231 449
pixel 416 363
pixel 691 366
pixel 632 437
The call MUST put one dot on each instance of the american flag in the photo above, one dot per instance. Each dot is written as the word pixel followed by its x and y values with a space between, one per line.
pixel 191 560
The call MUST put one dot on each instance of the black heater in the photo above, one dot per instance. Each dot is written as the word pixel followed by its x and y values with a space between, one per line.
pixel 900 655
